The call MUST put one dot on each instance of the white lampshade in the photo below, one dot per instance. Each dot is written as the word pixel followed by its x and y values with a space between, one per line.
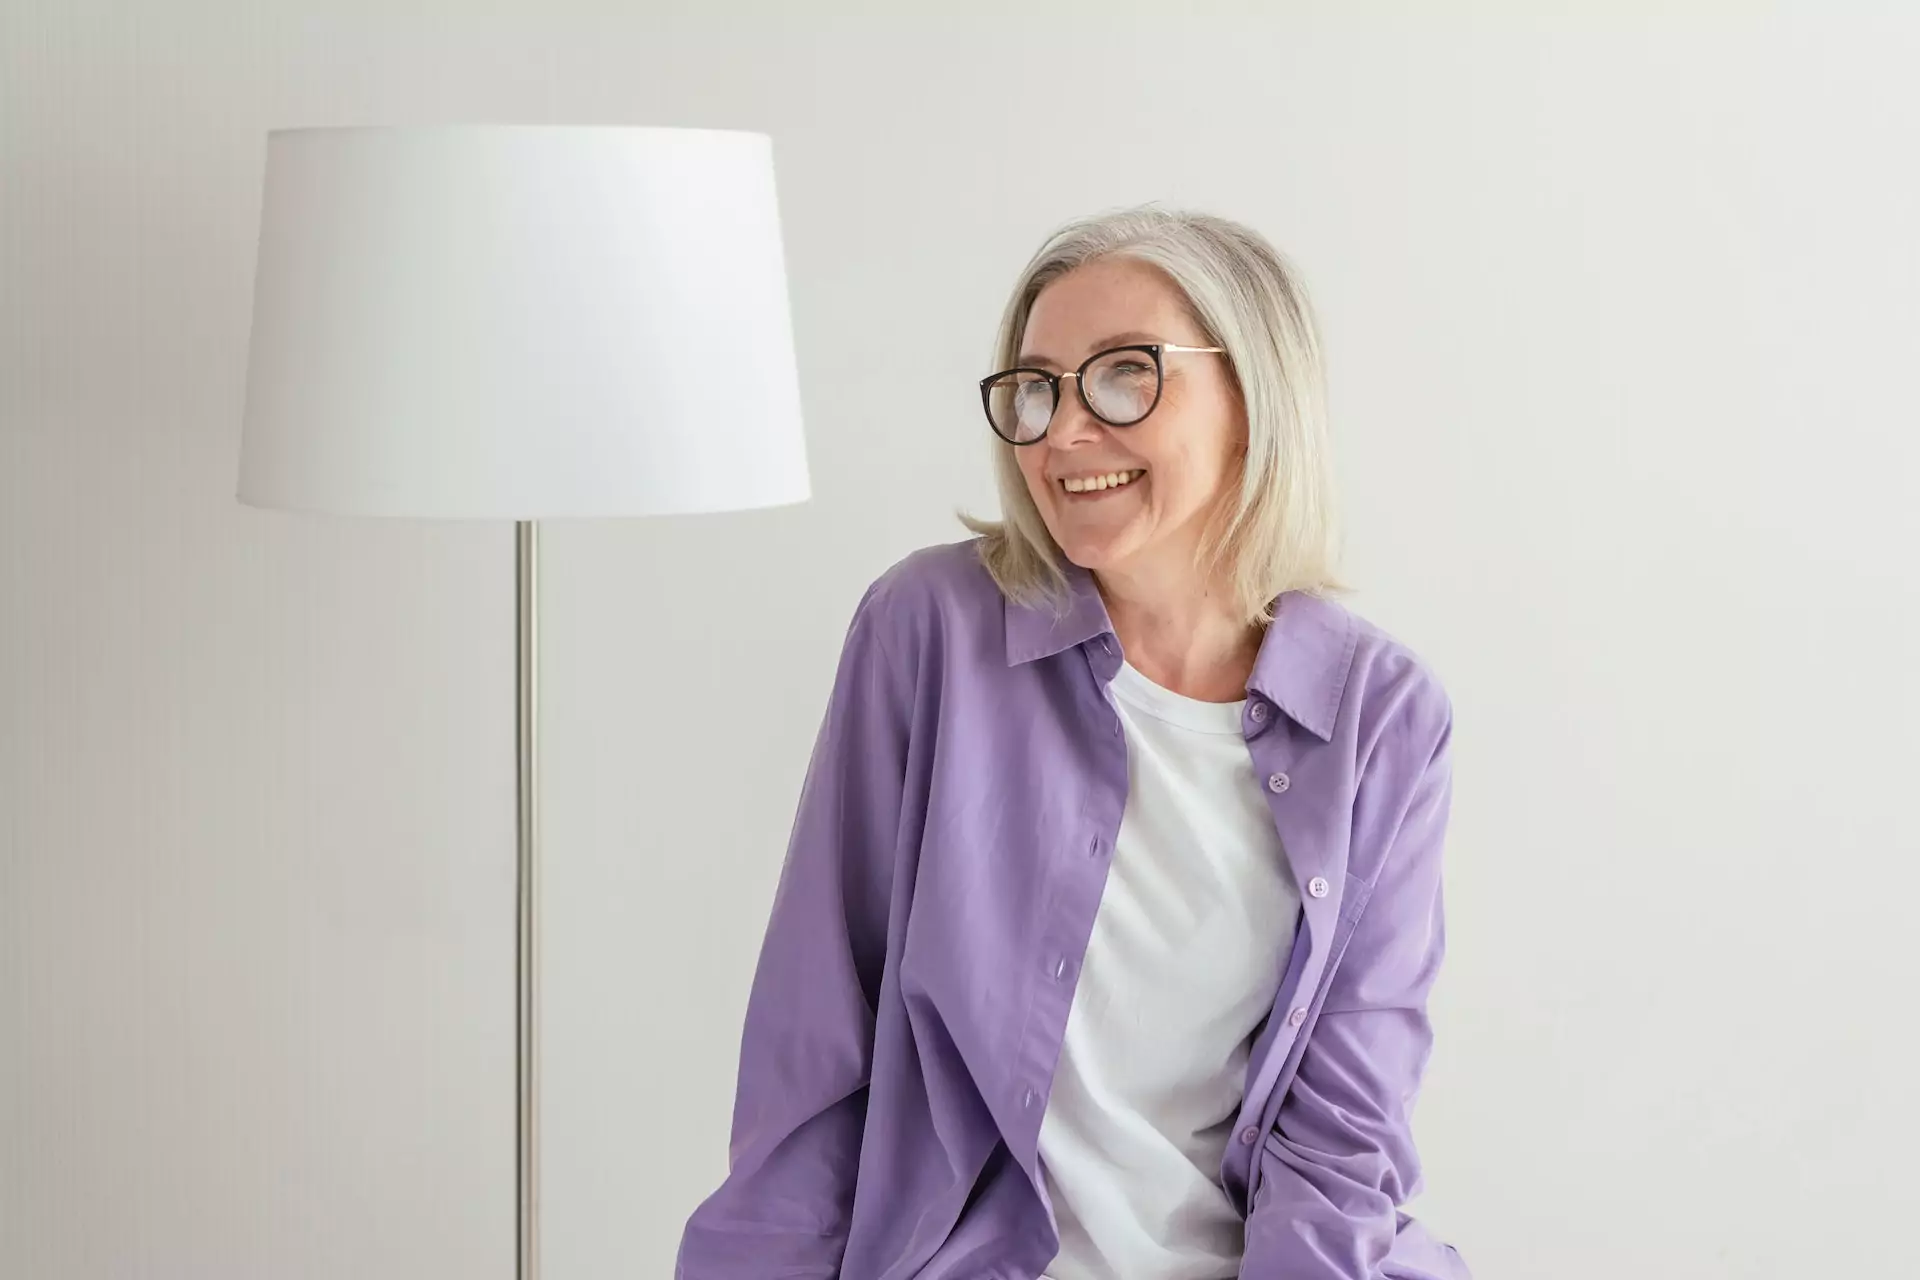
pixel 520 322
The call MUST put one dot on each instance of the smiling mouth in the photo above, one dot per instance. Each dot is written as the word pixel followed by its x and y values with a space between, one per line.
pixel 1100 483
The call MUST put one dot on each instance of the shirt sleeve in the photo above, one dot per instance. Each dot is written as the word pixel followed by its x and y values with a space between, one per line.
pixel 806 1049
pixel 1340 1160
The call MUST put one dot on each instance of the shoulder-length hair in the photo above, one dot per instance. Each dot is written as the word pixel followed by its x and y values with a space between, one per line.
pixel 1280 532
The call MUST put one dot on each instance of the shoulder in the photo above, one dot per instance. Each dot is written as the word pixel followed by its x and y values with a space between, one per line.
pixel 1396 720
pixel 929 594
pixel 1394 694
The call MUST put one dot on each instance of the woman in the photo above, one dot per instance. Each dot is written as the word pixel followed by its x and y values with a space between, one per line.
pixel 1104 939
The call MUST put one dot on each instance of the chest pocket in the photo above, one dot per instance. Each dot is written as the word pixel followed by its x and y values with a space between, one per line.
pixel 1353 901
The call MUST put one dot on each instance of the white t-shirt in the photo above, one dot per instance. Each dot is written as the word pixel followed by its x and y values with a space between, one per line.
pixel 1196 920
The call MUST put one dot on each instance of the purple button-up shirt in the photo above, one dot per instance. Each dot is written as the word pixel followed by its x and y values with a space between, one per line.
pixel 950 849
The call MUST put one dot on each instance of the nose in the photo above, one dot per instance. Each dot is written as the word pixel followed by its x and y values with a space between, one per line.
pixel 1072 425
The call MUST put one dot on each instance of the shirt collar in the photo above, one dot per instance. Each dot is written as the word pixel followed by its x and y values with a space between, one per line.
pixel 1301 668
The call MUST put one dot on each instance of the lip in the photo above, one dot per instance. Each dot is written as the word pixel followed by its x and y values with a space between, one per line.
pixel 1095 495
pixel 1055 477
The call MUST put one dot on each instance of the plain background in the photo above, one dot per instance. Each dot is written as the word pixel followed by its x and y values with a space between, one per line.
pixel 1622 312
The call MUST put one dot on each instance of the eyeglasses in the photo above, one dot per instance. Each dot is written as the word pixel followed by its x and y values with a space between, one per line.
pixel 1119 386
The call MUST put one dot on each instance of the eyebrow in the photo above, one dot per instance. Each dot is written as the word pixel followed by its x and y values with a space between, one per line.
pixel 1129 338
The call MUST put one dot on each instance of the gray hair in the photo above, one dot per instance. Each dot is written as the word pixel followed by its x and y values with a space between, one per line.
pixel 1281 534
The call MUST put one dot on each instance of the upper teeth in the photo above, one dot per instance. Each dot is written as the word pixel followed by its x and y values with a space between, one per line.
pixel 1111 480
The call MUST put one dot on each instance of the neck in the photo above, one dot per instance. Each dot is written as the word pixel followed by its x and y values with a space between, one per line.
pixel 1181 632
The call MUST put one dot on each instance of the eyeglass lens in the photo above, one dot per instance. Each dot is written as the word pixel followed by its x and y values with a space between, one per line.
pixel 1121 388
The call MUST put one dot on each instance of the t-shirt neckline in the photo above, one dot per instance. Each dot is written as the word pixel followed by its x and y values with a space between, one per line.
pixel 1176 708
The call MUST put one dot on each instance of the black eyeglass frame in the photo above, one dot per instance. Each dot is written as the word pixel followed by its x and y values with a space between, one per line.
pixel 1079 382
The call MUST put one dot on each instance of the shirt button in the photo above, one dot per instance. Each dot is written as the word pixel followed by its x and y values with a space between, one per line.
pixel 1249 1136
pixel 1297 1017
pixel 1027 1101
pixel 1059 966
pixel 1258 712
pixel 1278 782
pixel 1317 887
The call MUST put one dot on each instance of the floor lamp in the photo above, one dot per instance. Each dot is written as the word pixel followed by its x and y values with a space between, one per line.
pixel 520 323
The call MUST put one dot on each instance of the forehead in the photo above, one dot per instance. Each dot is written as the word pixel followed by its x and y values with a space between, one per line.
pixel 1113 295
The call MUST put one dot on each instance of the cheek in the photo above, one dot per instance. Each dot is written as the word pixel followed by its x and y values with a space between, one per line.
pixel 1185 481
pixel 1033 471
pixel 1199 464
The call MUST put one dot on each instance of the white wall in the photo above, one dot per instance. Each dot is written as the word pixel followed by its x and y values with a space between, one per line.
pixel 1624 323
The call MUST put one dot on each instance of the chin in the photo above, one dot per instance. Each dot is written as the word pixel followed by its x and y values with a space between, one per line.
pixel 1095 554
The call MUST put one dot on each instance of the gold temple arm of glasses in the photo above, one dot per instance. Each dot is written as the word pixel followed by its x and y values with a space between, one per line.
pixel 1164 347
